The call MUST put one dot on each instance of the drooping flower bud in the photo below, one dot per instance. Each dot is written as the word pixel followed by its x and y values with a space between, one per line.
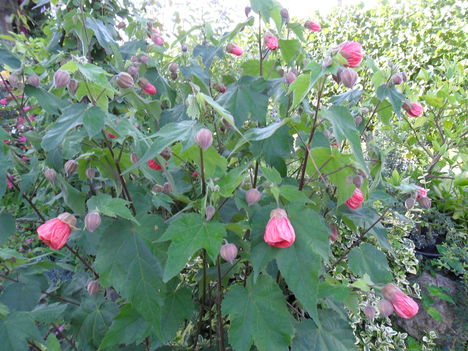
pixel 228 252
pixel 357 181
pixel 144 59
pixel 209 212
pixel 70 167
pixel 133 70
pixel 61 78
pixel 334 233
pixel 166 153
pixel 404 306
pixel 399 78
pixel 55 232
pixel 168 188
pixel 271 41
pixel 348 77
pixel 409 203
pixel 92 221
pixel 72 86
pixel 154 165
pixel 284 14
pixel 425 202
pixel 352 52
pixel 184 48
pixel 50 175
pixel 312 26
pixel 385 307
pixel 173 67
pixel 147 87
pixel 337 77
pixel 134 157
pixel 124 80
pixel 121 25
pixel 247 11
pixel 279 232
pixel 174 75
pixel 33 80
pixel 421 192
pixel 194 174
pixel 93 287
pixel 355 201
pixel 234 49
pixel 289 77
pixel 204 138
pixel 358 120
pixel 327 62
pixel 157 188
pixel 370 312
pixel 90 173
pixel 252 196
pixel 158 40
pixel 220 87
pixel 413 109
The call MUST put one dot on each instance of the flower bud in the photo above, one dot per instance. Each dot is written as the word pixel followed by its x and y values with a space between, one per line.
pixel 271 41
pixel 195 174
pixel 154 165
pixel 279 231
pixel 405 306
pixel 134 59
pixel 352 52
pixel 421 192
pixel 409 203
pixel 133 70
pixel 348 77
pixel 334 233
pixel 247 11
pixel 166 153
pixel 157 188
pixel 168 188
pixel 252 196
pixel 72 86
pixel 184 48
pixel 355 201
pixel 289 77
pixel 358 120
pixel 144 59
pixel 337 77
pixel 93 287
pixel 312 26
pixel 33 80
pixel 219 87
pixel 284 14
pixel 204 138
pixel 385 307
pixel 209 212
pixel 413 109
pixel 174 75
pixel 147 87
pixel 425 202
pixel 134 157
pixel 357 181
pixel 70 167
pixel 370 312
pixel 68 218
pixel 327 62
pixel 90 173
pixel 124 80
pixel 61 78
pixel 173 67
pixel 228 252
pixel 158 40
pixel 92 221
pixel 121 25
pixel 50 175
pixel 234 49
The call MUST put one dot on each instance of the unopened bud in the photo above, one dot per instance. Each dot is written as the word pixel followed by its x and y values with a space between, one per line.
pixel 93 287
pixel 219 87
pixel 247 10
pixel 252 196
pixel 144 59
pixel 61 78
pixel 92 221
pixel 399 78
pixel 168 188
pixel 174 75
pixel 425 202
pixel 348 77
pixel 121 25
pixel 370 312
pixel 67 218
pixel 33 80
pixel 166 153
pixel 289 77
pixel 334 233
pixel 134 157
pixel 133 70
pixel 204 138
pixel 327 62
pixel 70 167
pixel 337 77
pixel 50 175
pixel 358 120
pixel 124 80
pixel 284 14
pixel 184 48
pixel 72 86
pixel 357 181
pixel 209 212
pixel 228 252
pixel 385 307
pixel 409 203
pixel 90 173
pixel 157 188
pixel 173 67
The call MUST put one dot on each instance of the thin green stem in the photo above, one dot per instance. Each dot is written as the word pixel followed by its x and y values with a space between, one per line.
pixel 202 171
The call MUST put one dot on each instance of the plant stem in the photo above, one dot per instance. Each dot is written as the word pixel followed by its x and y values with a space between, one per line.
pixel 202 170
pixel 254 184
pixel 74 252
pixel 26 198
pixel 219 315
pixel 70 341
pixel 20 105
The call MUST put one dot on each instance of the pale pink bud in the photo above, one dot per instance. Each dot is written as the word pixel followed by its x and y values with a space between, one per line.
pixel 121 25
pixel 204 138
pixel 413 109
pixel 409 203
pixel 168 188
pixel 404 306
pixel 348 77
pixel 132 70
pixel 61 78
pixel 166 153
pixel 134 157
pixel 73 86
pixel 184 48
pixel 93 287
pixel 271 41
pixel 144 59
pixel 234 49
pixel 355 201
pixel 327 62
pixel 68 218
pixel 158 40
pixel 90 173
pixel 334 233
pixel 92 221
pixel 174 75
pixel 352 52
pixel 228 252
pixel 385 307
pixel 209 212
pixel 279 232
pixel 50 175
pixel 421 192
pixel 425 202
pixel 157 188
pixel 312 26
pixel 70 167
pixel 33 80
pixel 358 120
pixel 370 312
pixel 247 10
pixel 289 77
pixel 219 87
pixel 337 77
pixel 399 78
pixel 284 14
pixel 124 80
pixel 173 67
pixel 357 181
pixel 252 196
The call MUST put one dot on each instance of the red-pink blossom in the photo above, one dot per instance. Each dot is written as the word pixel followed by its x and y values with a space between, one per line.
pixel 314 27
pixel 154 165
pixel 404 306
pixel 27 108
pixel 234 49
pixel 334 233
pixel 355 201
pixel 158 40
pixel 271 41
pixel 55 232
pixel 352 52
pixel 279 232
pixel 3 101
pixel 421 192
pixel 413 109
pixel 22 139
pixel 110 135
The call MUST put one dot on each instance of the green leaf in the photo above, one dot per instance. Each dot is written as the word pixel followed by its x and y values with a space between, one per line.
pixel 7 227
pixel 344 127
pixel 7 58
pixel 289 49
pixel 110 206
pixel 49 313
pixel 16 329
pixel 439 292
pixel 300 88
pixel 22 296
pixel 188 234
pixel 96 75
pixel 366 258
pixel 101 32
pixel 49 102
pixel 246 99
pixel 335 334
pixel 434 313
pixel 93 120
pixel 271 175
pixel 394 96
pixel 124 261
pixel 74 198
pixel 263 7
pixel 208 53
pixel 163 88
pixel 385 112
pixel 71 118
pixel 52 343
pixel 258 314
